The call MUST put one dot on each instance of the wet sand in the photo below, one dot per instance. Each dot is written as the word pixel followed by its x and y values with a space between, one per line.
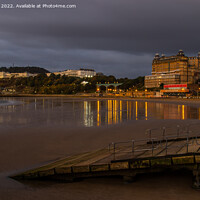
pixel 23 149
pixel 87 96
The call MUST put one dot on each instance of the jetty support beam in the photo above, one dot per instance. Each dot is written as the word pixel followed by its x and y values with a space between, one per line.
pixel 196 176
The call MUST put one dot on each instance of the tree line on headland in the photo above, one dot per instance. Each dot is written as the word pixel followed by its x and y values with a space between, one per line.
pixel 29 69
pixel 57 84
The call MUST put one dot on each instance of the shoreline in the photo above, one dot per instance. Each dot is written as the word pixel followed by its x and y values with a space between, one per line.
pixel 87 96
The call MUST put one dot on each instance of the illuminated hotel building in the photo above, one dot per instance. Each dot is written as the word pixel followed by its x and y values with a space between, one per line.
pixel 82 73
pixel 178 69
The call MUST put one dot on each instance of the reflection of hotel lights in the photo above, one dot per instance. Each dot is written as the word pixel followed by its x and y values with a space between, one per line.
pixel 120 111
pixel 52 105
pixel 183 112
pixel 88 117
pixel 127 109
pixel 110 111
pixel 115 111
pixel 98 114
pixel 199 113
pixel 36 104
pixel 43 104
pixel 146 111
pixel 136 110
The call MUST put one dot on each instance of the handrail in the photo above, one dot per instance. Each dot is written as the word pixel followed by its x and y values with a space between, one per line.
pixel 156 143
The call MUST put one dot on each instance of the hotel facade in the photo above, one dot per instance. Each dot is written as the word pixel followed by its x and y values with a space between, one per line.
pixel 178 69
pixel 81 73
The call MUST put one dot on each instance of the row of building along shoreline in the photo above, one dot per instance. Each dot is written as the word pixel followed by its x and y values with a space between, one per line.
pixel 82 73
pixel 176 75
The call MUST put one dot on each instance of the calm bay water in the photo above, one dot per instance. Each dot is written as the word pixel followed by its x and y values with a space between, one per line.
pixel 87 113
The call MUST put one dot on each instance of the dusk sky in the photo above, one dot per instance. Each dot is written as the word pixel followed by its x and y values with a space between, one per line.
pixel 118 37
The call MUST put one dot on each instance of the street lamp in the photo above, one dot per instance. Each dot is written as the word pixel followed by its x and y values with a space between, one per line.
pixel 136 93
pixel 145 92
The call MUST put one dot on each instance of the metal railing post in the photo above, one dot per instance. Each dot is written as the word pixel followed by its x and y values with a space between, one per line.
pixel 187 129
pixel 196 139
pixel 150 134
pixel 163 132
pixel 114 151
pixel 133 144
pixel 187 143
pixel 178 130
pixel 152 147
pixel 166 146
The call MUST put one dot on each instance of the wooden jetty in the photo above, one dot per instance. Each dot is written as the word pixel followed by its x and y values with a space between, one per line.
pixel 126 159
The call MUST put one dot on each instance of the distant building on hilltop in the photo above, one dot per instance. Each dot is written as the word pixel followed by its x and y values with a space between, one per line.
pixel 178 69
pixel 82 73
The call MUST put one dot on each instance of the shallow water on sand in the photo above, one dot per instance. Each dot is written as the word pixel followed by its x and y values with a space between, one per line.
pixel 86 113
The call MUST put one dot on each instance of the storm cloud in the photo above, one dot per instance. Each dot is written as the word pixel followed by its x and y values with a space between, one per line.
pixel 118 37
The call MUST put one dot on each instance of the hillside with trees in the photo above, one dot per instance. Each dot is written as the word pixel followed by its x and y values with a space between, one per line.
pixel 56 84
pixel 32 70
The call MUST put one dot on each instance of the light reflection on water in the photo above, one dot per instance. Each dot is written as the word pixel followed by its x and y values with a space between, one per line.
pixel 62 111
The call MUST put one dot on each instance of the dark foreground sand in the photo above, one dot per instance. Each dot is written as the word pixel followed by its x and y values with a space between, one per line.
pixel 22 149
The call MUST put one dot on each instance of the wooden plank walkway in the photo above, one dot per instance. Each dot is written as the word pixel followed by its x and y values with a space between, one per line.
pixel 122 159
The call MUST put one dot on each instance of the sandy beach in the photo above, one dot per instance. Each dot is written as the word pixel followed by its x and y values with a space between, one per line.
pixel 24 148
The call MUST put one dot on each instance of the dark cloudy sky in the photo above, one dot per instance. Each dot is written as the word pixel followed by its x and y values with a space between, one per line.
pixel 118 37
